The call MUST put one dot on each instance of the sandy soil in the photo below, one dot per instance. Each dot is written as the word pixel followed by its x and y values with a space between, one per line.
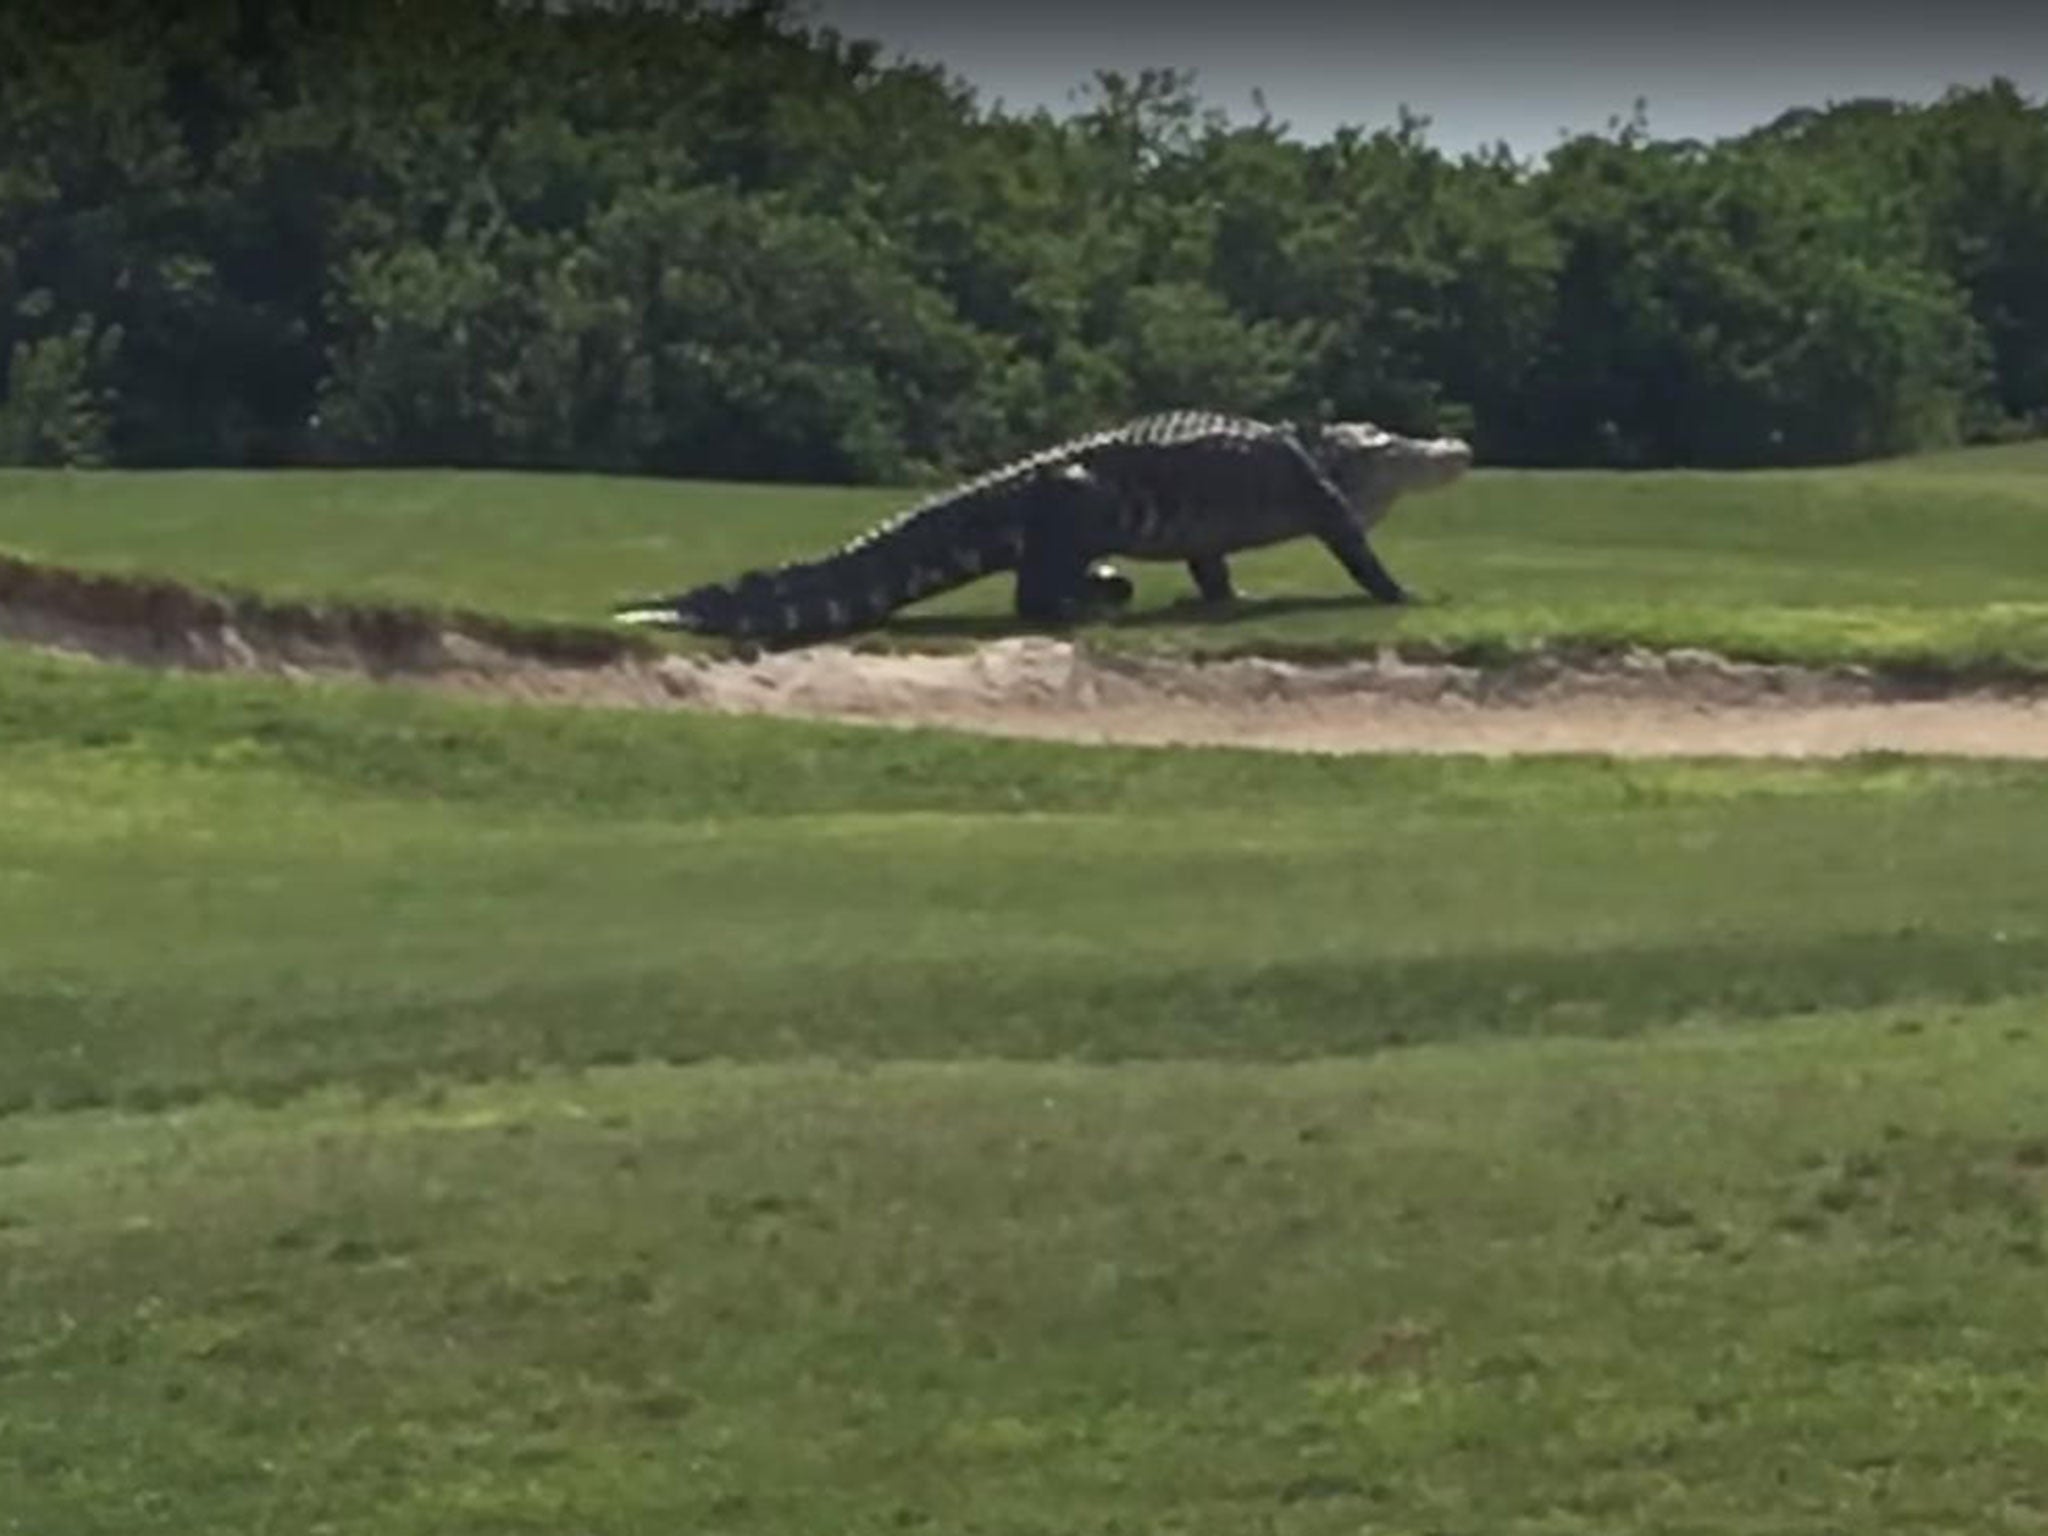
pixel 1640 704
pixel 1680 704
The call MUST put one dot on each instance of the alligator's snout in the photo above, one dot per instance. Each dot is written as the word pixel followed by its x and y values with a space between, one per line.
pixel 652 613
pixel 1445 459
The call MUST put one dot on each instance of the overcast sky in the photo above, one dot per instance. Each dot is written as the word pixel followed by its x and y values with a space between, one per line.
pixel 1481 70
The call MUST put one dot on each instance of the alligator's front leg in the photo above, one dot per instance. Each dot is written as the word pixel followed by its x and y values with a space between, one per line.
pixel 1337 524
pixel 1349 545
pixel 1212 579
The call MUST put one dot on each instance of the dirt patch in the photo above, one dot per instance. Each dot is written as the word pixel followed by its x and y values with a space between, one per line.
pixel 1638 704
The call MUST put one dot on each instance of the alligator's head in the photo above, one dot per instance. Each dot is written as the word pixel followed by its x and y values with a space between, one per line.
pixel 1372 466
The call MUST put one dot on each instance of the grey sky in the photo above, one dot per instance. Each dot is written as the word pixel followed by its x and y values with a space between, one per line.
pixel 1481 70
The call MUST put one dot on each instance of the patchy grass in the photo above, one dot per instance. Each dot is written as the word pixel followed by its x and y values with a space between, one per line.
pixel 1929 563
pixel 1783 1277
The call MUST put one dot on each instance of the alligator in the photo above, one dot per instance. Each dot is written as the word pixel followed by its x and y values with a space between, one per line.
pixel 1190 486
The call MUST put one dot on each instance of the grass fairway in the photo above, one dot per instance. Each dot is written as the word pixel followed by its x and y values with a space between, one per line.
pixel 426 1117
pixel 430 1117
pixel 227 884
pixel 1933 561
pixel 1780 1279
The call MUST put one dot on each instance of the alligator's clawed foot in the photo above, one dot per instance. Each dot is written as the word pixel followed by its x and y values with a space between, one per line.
pixel 1105 589
pixel 1103 592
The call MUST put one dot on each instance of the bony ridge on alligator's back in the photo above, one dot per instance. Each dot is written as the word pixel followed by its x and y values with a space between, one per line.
pixel 1192 486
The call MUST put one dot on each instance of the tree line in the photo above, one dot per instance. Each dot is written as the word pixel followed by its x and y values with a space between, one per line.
pixel 678 239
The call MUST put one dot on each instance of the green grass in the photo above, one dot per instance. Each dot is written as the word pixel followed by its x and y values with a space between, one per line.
pixel 440 1117
pixel 229 884
pixel 1923 562
pixel 1776 1279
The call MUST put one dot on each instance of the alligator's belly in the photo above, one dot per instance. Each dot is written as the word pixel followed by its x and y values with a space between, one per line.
pixel 1192 538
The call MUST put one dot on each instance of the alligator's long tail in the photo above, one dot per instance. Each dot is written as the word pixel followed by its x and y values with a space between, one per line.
pixel 928 550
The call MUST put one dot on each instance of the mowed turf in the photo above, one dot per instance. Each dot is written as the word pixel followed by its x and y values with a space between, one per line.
pixel 436 1117
pixel 226 884
pixel 1933 561
pixel 1780 1279
pixel 430 1117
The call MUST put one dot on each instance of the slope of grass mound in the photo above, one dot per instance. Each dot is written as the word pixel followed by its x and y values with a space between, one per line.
pixel 1923 563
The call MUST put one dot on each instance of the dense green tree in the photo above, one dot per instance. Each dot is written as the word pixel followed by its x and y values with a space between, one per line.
pixel 1737 307
pixel 659 235
pixel 55 412
pixel 1973 170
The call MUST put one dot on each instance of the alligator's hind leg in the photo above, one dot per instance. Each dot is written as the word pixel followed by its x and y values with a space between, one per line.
pixel 1056 582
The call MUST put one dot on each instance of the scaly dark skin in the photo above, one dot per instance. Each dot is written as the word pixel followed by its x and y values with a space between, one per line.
pixel 1187 486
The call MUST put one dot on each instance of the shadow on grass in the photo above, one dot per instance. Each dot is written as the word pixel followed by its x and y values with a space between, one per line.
pixel 1182 615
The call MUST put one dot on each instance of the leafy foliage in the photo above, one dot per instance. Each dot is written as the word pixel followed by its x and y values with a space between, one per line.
pixel 1739 307
pixel 665 237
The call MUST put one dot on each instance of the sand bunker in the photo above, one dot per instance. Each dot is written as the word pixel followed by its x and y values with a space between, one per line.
pixel 1639 704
